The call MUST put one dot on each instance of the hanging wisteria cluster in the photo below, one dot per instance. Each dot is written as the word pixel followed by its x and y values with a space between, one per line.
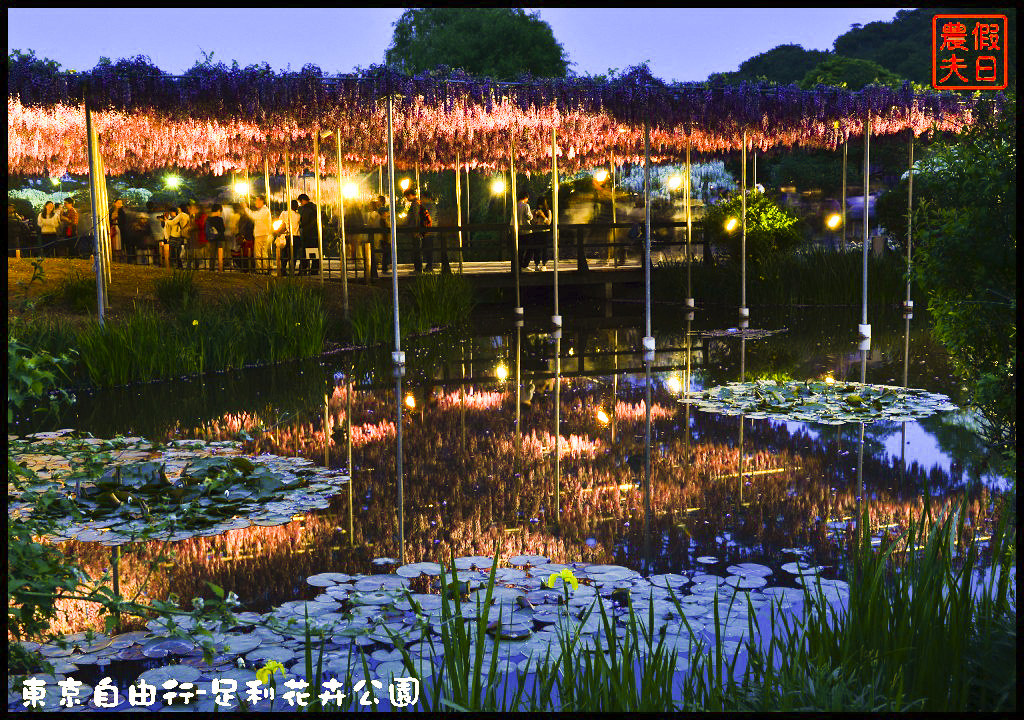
pixel 218 119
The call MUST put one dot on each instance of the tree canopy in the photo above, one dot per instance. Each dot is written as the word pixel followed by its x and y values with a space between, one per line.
pixel 501 43
pixel 783 65
pixel 849 73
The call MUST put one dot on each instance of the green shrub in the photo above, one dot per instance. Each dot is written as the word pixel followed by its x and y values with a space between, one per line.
pixel 771 229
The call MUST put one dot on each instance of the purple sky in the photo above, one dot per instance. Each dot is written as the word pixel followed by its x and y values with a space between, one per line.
pixel 681 44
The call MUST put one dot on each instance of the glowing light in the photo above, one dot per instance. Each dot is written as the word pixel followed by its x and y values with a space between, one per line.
pixel 731 224
pixel 501 372
pixel 350 190
pixel 601 175
pixel 404 184
pixel 498 187
pixel 829 379
pixel 834 221
pixel 242 188
pixel 55 181
pixel 674 182
pixel 172 181
pixel 674 384
pixel 410 401
pixel 277 224
pixel 602 417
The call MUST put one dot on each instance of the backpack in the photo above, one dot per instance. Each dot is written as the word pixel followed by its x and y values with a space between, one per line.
pixel 425 220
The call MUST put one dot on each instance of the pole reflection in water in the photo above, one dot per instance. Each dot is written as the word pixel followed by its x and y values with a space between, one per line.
pixel 860 445
pixel 615 379
pixel 743 378
pixel 686 385
pixel 906 366
pixel 648 559
pixel 558 422
pixel 399 371
pixel 348 458
pixel 327 437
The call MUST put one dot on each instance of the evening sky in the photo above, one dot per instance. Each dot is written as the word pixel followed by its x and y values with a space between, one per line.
pixel 680 43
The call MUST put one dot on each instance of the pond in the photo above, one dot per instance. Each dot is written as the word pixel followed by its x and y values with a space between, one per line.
pixel 480 474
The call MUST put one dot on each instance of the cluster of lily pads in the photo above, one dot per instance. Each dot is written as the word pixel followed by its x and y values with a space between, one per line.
pixel 370 623
pixel 139 490
pixel 747 333
pixel 821 401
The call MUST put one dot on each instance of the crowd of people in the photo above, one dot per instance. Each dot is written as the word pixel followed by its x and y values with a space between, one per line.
pixel 250 235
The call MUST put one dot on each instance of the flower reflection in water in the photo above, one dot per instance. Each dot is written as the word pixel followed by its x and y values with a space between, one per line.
pixel 470 498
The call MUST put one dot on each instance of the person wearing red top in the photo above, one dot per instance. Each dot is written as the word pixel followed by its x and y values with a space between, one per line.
pixel 201 240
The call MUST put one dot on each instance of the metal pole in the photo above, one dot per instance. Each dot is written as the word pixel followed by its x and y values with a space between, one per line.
pixel 398 357
pixel 97 262
pixel 266 188
pixel 288 206
pixel 744 311
pixel 612 255
pixel 842 241
pixel 341 225
pixel 458 204
pixel 556 319
pixel 515 225
pixel 864 328
pixel 380 179
pixel 648 340
pixel 689 230
pixel 469 239
pixel 909 304
pixel 319 221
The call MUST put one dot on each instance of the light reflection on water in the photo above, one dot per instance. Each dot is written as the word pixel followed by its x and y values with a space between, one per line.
pixel 479 470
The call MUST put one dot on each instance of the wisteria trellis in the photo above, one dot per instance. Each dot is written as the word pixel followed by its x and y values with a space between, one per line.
pixel 218 119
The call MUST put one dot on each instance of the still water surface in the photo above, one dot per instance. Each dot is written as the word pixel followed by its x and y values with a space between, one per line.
pixel 651 491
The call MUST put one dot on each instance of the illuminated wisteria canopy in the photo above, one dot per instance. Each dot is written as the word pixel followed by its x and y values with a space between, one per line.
pixel 219 119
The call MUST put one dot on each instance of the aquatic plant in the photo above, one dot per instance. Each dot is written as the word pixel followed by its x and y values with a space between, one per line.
pixel 176 291
pixel 813 276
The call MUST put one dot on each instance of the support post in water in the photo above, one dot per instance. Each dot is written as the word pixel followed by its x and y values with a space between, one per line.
pixel 864 328
pixel 319 209
pixel 515 225
pixel 341 226
pixel 689 231
pixel 648 340
pixel 842 238
pixel 908 304
pixel 397 356
pixel 288 206
pixel 744 310
pixel 556 319
pixel 458 204
pixel 97 261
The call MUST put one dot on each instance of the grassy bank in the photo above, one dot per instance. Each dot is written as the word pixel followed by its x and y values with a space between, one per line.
pixel 167 324
pixel 814 277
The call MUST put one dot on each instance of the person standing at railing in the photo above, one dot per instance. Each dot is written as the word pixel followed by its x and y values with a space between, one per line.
pixel 69 224
pixel 382 213
pixel 49 222
pixel 524 216
pixel 541 237
pixel 177 233
pixel 261 231
pixel 285 227
pixel 308 234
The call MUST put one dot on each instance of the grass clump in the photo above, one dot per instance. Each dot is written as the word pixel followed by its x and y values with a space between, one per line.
pixel 284 322
pixel 177 291
pixel 814 276
pixel 429 301
pixel 75 292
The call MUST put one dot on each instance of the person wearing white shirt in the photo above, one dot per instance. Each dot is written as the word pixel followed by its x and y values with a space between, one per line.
pixel 49 222
pixel 262 231
pixel 283 231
